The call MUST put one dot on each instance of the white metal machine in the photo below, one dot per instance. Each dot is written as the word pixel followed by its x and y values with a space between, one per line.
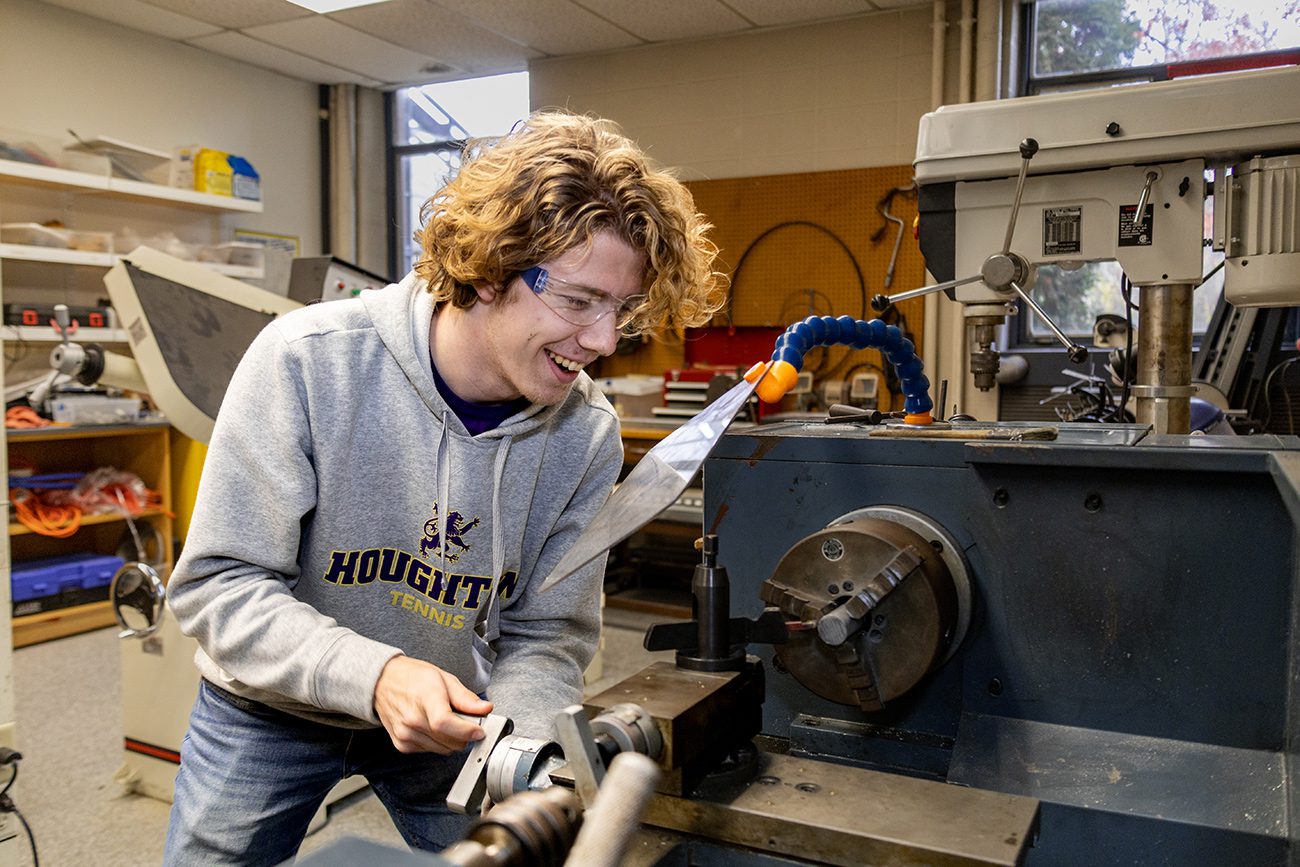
pixel 188 327
pixel 1116 174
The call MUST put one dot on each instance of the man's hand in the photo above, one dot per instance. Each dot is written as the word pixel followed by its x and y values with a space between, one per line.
pixel 417 702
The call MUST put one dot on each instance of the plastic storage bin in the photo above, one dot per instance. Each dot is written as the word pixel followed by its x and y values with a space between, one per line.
pixel 36 235
pixel 239 253
pixel 93 409
pixel 33 235
pixel 59 582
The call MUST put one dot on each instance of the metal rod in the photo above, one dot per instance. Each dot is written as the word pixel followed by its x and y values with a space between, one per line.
pixel 1142 199
pixel 1028 148
pixel 1072 347
pixel 937 287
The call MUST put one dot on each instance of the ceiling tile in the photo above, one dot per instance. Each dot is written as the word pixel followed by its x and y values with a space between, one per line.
pixel 667 19
pixel 140 16
pixel 339 45
pixel 550 26
pixel 235 14
pixel 768 13
pixel 432 31
pixel 241 47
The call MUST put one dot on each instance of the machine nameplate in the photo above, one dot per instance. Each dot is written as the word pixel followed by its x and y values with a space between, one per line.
pixel 1062 230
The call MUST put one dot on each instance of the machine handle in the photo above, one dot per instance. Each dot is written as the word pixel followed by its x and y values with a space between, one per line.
pixel 787 358
pixel 1151 178
pixel 1028 147
pixel 881 303
pixel 64 320
pixel 610 823
pixel 1076 352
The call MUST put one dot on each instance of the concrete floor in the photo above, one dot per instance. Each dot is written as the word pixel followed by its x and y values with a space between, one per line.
pixel 69 722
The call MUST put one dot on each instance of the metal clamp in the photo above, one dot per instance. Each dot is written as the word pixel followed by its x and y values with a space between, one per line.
pixel 1156 391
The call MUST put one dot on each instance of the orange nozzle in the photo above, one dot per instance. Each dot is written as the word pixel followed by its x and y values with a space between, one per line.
pixel 756 371
pixel 780 379
pixel 918 418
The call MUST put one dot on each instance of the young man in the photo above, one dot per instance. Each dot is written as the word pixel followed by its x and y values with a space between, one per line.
pixel 390 479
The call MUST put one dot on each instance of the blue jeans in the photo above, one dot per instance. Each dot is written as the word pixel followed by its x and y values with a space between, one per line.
pixel 252 777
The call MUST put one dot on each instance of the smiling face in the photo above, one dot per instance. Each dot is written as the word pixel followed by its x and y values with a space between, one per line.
pixel 526 349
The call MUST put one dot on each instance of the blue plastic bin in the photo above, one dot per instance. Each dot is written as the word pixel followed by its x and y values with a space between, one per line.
pixel 51 576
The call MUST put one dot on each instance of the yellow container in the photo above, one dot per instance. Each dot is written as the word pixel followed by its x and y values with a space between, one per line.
pixel 212 173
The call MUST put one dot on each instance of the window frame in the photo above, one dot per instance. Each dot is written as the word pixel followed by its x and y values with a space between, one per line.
pixel 396 156
pixel 1031 85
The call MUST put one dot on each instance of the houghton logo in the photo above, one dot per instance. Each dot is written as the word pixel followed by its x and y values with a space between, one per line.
pixel 454 531
pixel 421 588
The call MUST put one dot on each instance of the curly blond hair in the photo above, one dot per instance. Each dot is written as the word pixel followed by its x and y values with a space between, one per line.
pixel 549 186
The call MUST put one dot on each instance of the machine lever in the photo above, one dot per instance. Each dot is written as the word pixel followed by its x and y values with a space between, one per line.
pixel 1028 148
pixel 1151 178
pixel 1076 352
pixel 880 303
pixel 64 320
pixel 610 823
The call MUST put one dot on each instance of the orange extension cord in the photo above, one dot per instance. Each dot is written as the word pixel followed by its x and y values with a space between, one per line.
pixel 23 417
pixel 61 520
pixel 57 521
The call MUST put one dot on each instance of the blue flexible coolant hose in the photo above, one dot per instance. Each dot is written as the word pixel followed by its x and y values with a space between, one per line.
pixel 787 358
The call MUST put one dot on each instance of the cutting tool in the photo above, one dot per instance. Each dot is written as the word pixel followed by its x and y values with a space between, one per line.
pixel 665 471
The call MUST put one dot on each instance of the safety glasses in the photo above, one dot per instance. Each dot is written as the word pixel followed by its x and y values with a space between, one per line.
pixel 580 305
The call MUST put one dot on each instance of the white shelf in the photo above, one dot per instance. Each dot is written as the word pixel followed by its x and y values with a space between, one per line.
pixel 46 334
pixel 28 173
pixel 56 255
pixel 139 190
pixel 45 176
pixel 59 256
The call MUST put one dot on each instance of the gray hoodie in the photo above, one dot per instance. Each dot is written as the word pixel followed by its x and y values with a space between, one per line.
pixel 345 516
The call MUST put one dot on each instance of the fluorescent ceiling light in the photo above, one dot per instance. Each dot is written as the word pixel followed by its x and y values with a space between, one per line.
pixel 323 6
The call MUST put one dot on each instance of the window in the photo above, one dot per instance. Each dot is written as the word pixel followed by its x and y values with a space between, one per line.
pixel 431 124
pixel 1073 44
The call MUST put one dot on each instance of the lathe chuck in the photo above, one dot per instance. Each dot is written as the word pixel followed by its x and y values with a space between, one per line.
pixel 884 596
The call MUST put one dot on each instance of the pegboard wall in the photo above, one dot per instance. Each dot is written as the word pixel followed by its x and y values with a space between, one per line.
pixel 800 245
